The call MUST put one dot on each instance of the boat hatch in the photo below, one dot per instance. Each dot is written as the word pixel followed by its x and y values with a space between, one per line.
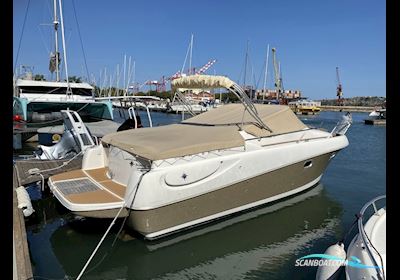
pixel 76 186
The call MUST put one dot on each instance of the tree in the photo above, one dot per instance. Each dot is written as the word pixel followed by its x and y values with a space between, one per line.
pixel 39 77
pixel 75 79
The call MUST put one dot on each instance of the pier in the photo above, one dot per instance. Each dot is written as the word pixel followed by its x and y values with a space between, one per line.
pixel 375 121
pixel 27 171
pixel 347 108
pixel 22 268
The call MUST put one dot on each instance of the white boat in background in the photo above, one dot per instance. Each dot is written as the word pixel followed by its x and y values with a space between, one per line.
pixel 39 102
pixel 169 178
pixel 378 113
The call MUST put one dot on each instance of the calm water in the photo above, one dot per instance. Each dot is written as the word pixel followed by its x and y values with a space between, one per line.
pixel 259 244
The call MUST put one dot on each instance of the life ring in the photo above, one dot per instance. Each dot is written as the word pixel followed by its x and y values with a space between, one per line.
pixel 56 137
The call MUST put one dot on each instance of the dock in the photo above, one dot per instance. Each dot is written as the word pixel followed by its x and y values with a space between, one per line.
pixel 375 121
pixel 22 268
pixel 347 108
pixel 47 168
pixel 22 134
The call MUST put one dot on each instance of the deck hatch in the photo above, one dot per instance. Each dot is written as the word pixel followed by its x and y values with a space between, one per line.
pixel 76 186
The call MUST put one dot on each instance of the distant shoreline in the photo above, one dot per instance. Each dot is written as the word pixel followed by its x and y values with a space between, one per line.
pixel 347 108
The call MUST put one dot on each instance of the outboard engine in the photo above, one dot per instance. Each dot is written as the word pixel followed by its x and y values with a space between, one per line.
pixel 131 124
pixel 65 147
pixel 76 138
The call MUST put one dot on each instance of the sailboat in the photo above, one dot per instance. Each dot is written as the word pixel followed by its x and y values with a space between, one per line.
pixel 38 103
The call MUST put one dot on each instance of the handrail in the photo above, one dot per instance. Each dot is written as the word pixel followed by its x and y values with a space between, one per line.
pixel 364 237
pixel 132 115
pixel 248 105
pixel 343 125
pixel 148 115
pixel 182 99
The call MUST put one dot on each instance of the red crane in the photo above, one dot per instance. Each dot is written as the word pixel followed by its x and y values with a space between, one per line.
pixel 206 66
pixel 203 69
pixel 339 92
pixel 160 85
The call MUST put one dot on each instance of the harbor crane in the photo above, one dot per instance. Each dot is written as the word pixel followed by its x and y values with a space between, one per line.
pixel 278 78
pixel 206 66
pixel 202 70
pixel 160 85
pixel 339 92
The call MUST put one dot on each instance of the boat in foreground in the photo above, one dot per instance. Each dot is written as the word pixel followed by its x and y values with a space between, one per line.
pixel 366 254
pixel 368 247
pixel 166 179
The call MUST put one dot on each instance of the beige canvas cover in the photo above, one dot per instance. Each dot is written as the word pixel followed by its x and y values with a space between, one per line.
pixel 279 118
pixel 201 81
pixel 175 140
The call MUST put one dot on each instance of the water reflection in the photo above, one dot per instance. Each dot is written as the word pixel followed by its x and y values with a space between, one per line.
pixel 249 245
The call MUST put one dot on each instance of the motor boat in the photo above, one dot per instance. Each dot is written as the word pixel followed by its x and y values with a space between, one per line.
pixel 378 113
pixel 366 254
pixel 227 160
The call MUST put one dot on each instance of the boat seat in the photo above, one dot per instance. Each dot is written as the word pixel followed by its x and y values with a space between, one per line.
pixel 88 186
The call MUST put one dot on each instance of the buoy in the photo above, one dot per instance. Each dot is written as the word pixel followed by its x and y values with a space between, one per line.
pixel 332 272
pixel 24 201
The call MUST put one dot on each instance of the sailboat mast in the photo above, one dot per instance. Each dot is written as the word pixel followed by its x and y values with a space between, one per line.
pixel 245 65
pixel 190 59
pixel 69 91
pixel 56 22
pixel 266 73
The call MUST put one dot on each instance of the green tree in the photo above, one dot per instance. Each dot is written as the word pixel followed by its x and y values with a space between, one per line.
pixel 75 79
pixel 39 77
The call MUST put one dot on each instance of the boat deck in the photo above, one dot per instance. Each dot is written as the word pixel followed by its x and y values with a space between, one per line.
pixel 89 187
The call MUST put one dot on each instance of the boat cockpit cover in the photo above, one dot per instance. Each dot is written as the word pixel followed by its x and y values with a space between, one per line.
pixel 279 118
pixel 201 81
pixel 175 140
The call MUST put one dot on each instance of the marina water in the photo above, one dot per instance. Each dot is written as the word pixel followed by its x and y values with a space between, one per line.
pixel 263 243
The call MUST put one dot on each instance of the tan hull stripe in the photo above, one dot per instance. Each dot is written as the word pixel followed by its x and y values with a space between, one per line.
pixel 245 192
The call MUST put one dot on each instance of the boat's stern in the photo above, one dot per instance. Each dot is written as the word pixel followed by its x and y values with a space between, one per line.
pixel 90 191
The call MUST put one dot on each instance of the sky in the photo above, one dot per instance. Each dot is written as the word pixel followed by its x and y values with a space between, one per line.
pixel 311 38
